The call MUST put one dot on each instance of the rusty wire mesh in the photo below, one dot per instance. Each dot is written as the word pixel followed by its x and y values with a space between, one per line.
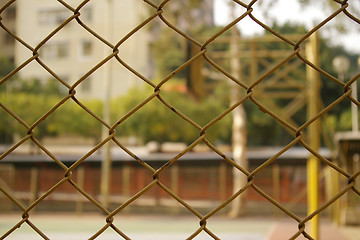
pixel 158 13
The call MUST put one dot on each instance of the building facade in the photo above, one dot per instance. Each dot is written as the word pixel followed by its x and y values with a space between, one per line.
pixel 73 51
pixel 7 42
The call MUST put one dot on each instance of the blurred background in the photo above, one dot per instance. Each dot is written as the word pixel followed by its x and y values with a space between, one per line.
pixel 38 72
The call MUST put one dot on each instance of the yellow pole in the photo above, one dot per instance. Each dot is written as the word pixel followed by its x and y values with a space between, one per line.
pixel 313 78
pixel 313 194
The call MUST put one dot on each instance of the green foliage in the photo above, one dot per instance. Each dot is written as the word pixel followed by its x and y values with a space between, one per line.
pixel 337 119
pixel 35 86
pixel 288 28
pixel 5 66
pixel 31 99
pixel 156 122
pixel 69 119
pixel 261 129
pixel 5 127
pixel 27 107
pixel 341 122
pixel 168 54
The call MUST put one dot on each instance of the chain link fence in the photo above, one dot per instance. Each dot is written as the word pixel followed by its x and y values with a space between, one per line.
pixel 158 13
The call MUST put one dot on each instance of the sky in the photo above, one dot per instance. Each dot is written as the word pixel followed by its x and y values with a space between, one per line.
pixel 290 10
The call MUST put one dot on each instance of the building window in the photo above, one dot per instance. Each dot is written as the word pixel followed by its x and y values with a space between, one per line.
pixel 55 51
pixel 11 12
pixel 59 15
pixel 86 85
pixel 86 14
pixel 53 16
pixel 62 51
pixel 86 48
pixel 8 39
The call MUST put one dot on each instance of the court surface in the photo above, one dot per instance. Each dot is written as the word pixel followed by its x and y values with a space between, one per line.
pixel 146 227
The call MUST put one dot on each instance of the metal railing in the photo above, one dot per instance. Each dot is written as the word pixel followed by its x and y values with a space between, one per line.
pixel 158 11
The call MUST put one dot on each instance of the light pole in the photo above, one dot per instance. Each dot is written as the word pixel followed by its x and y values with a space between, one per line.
pixel 239 126
pixel 106 153
pixel 342 65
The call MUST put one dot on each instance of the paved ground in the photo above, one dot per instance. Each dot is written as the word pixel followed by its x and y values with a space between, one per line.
pixel 283 230
pixel 61 226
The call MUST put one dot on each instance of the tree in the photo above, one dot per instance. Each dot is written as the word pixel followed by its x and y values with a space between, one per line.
pixel 156 122
pixel 31 99
pixel 6 66
pixel 330 91
pixel 170 49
